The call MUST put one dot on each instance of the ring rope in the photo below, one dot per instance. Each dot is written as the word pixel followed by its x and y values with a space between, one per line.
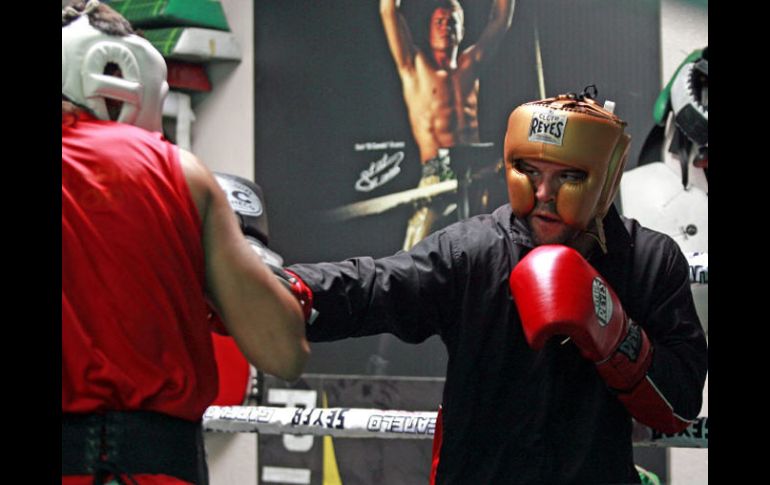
pixel 389 424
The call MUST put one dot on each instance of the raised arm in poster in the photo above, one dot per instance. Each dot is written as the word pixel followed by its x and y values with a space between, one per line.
pixel 440 87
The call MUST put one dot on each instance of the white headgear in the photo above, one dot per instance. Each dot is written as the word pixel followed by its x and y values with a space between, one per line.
pixel 85 51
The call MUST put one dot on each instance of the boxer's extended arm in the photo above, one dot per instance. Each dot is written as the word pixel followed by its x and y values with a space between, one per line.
pixel 397 31
pixel 409 294
pixel 263 317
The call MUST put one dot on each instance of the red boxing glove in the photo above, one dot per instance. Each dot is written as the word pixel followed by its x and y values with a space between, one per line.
pixel 558 293
pixel 300 290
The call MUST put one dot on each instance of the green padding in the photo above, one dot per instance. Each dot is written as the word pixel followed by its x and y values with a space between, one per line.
pixel 647 477
pixel 164 39
pixel 167 13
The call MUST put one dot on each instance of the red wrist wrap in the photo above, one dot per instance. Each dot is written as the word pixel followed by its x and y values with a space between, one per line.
pixel 302 292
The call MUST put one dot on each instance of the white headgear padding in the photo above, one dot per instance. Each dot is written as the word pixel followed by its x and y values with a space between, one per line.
pixel 85 51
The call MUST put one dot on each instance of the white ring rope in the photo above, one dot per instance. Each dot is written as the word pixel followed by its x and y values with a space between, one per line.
pixel 337 422
pixel 378 423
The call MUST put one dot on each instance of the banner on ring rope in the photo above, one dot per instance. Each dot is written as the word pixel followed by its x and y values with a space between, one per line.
pixel 694 436
pixel 337 422
pixel 301 428
pixel 380 423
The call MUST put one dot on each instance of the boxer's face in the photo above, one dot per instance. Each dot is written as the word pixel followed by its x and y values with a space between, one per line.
pixel 446 28
pixel 547 178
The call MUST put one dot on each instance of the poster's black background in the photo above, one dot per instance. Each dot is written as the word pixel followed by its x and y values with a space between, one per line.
pixel 326 81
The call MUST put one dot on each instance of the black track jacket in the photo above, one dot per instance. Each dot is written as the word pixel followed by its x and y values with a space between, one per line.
pixel 510 414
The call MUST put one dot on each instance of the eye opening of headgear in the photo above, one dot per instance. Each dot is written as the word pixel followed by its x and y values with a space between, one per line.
pixel 113 106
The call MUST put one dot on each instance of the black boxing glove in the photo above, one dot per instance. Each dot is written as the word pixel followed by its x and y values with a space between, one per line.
pixel 246 199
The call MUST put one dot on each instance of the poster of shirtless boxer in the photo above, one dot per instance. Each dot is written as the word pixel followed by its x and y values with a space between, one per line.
pixel 380 121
